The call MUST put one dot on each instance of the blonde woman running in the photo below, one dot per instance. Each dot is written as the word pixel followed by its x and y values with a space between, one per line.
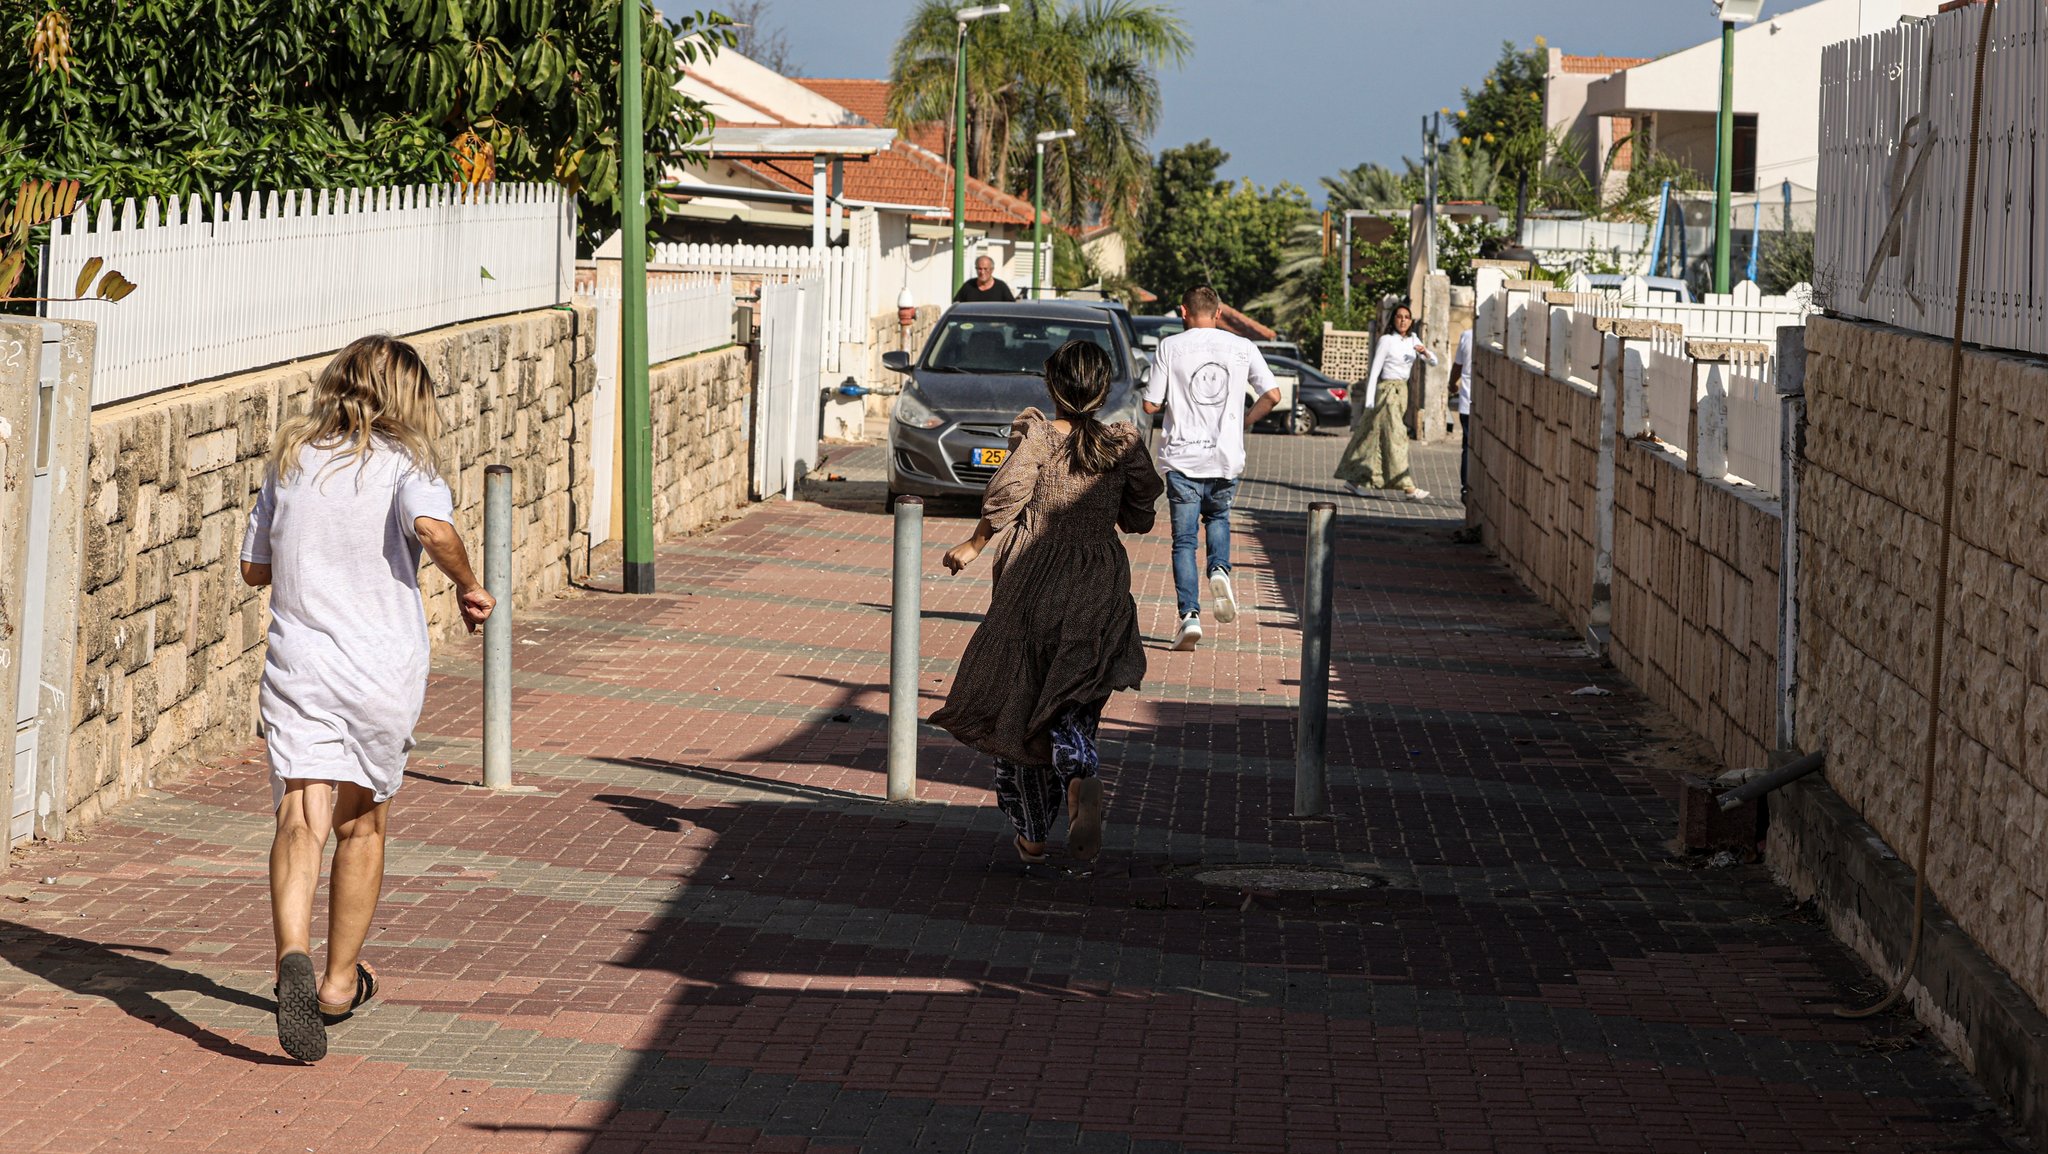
pixel 351 496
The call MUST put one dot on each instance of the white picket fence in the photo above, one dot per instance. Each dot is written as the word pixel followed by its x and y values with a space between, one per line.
pixel 842 301
pixel 788 401
pixel 1899 101
pixel 685 315
pixel 1728 410
pixel 1745 314
pixel 237 285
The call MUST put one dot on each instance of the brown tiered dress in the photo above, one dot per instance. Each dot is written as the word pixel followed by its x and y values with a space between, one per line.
pixel 1062 628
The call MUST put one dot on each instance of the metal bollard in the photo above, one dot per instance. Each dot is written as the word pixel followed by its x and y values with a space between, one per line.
pixel 498 628
pixel 905 617
pixel 1318 588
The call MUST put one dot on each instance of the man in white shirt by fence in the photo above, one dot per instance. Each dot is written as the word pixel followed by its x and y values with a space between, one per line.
pixel 1461 396
pixel 1200 377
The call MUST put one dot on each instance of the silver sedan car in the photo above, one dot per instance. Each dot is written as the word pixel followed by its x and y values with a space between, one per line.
pixel 984 364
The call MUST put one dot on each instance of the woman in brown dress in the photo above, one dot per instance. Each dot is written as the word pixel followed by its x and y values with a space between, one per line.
pixel 1061 633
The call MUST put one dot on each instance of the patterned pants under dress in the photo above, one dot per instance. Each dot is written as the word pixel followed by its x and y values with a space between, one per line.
pixel 1034 796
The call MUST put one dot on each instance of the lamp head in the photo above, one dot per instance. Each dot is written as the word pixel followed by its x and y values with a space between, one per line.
pixel 1739 11
pixel 1056 134
pixel 964 15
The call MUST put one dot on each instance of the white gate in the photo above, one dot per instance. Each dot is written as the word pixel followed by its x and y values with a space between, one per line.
pixel 787 414
pixel 21 811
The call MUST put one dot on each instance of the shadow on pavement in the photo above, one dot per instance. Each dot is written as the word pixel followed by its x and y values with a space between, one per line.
pixel 107 971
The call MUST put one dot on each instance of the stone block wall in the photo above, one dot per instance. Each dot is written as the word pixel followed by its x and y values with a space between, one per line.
pixel 1868 527
pixel 701 438
pixel 170 644
pixel 1533 477
pixel 885 335
pixel 1695 588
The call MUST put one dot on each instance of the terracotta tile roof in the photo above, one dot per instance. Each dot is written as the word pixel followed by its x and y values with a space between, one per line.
pixel 905 174
pixel 1244 326
pixel 1599 65
pixel 869 100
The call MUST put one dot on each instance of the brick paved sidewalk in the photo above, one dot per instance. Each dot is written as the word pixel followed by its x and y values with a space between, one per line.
pixel 704 932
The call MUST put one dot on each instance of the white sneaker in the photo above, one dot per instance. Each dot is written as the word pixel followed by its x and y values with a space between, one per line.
pixel 1190 633
pixel 1416 494
pixel 1226 597
pixel 1358 491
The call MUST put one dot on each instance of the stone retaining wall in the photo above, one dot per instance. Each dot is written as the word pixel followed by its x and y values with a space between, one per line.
pixel 1870 507
pixel 1534 458
pixel 170 641
pixel 1695 585
pixel 701 439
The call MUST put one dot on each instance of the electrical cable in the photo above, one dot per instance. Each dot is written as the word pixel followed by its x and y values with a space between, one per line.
pixel 1948 515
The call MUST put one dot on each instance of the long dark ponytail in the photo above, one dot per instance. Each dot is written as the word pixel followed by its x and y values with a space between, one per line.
pixel 1078 376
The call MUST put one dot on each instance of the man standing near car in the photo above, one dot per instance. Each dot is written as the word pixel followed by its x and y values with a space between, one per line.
pixel 985 286
pixel 1200 377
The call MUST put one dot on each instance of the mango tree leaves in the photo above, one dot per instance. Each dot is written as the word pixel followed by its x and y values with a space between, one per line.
pixel 162 98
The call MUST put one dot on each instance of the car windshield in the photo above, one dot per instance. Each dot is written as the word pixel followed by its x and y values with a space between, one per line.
pixel 997 344
pixel 1157 326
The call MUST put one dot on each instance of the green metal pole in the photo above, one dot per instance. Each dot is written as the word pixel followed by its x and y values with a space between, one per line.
pixel 960 159
pixel 1724 153
pixel 638 431
pixel 1037 219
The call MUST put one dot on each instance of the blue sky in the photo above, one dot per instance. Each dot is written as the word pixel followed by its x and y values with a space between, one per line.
pixel 1295 89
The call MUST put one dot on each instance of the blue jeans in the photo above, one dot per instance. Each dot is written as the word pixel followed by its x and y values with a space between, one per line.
pixel 1195 503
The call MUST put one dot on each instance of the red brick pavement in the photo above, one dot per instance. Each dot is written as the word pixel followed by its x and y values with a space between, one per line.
pixel 703 932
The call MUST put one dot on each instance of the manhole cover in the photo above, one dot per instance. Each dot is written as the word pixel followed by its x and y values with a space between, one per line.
pixel 1272 878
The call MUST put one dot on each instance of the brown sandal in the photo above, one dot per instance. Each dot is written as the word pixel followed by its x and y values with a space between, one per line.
pixel 366 988
pixel 1025 856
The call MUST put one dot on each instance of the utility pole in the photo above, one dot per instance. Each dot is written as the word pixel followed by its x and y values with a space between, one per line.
pixel 1431 126
pixel 1732 12
pixel 1724 157
pixel 1038 206
pixel 633 404
pixel 962 18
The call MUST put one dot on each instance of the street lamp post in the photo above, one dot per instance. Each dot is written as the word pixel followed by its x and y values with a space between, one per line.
pixel 638 434
pixel 1732 12
pixel 1038 207
pixel 963 17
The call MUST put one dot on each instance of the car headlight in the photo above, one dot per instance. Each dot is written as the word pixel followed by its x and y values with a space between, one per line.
pixel 912 411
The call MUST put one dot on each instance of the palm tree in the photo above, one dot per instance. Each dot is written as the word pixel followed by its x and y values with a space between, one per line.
pixel 1462 173
pixel 1084 64
pixel 1303 263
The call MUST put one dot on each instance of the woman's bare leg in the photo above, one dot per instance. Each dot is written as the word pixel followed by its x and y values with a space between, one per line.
pixel 358 883
pixel 304 818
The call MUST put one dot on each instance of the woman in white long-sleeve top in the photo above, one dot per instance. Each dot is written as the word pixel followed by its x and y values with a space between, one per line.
pixel 1377 457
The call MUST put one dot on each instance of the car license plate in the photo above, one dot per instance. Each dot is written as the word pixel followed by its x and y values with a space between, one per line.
pixel 990 458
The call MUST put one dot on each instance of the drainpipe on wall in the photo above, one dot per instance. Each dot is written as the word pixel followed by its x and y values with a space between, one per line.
pixel 1791 386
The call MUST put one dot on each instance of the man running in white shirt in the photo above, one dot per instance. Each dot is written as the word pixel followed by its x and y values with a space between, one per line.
pixel 1200 377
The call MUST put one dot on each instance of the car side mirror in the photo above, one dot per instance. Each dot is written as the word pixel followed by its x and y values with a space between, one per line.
pixel 896 361
pixel 1148 342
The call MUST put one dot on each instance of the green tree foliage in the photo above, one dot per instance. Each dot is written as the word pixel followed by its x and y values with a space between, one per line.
pixel 1504 115
pixel 172 98
pixel 1310 276
pixel 1088 65
pixel 1785 259
pixel 1200 230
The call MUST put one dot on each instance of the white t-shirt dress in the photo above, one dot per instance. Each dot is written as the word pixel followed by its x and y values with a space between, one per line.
pixel 345 674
